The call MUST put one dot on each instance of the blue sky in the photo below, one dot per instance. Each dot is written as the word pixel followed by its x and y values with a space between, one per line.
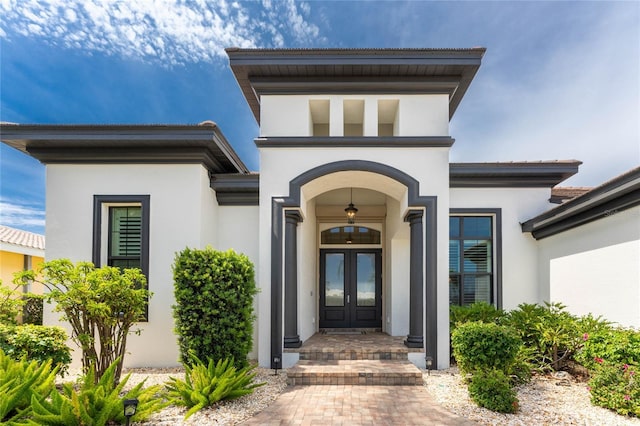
pixel 560 80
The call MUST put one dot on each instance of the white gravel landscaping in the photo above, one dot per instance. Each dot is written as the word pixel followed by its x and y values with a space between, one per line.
pixel 546 400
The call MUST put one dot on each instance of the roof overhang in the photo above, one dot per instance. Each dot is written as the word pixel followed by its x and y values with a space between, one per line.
pixel 316 71
pixel 139 144
pixel 511 175
pixel 610 198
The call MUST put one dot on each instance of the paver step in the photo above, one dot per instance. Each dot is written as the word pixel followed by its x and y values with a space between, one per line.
pixel 354 372
pixel 333 354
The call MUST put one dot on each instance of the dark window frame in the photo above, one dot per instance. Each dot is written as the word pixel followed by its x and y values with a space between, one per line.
pixel 496 215
pixel 144 201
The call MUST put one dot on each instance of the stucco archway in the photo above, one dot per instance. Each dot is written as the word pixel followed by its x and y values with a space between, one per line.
pixel 416 205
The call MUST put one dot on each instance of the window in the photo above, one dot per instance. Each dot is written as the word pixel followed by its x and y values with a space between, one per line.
pixel 121 231
pixel 350 235
pixel 471 263
pixel 125 237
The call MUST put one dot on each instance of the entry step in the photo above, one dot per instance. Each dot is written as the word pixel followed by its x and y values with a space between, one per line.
pixel 353 354
pixel 355 372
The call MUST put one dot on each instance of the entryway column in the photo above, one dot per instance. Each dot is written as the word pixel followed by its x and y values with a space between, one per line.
pixel 291 337
pixel 415 337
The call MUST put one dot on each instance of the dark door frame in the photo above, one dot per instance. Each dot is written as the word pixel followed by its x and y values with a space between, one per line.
pixel 350 315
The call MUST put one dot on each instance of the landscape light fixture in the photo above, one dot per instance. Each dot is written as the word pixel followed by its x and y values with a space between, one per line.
pixel 130 408
pixel 429 362
pixel 351 210
pixel 276 364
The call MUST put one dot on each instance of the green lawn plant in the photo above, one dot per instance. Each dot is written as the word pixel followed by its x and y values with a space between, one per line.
pixel 616 387
pixel 10 303
pixel 22 382
pixel 618 346
pixel 484 346
pixel 206 384
pixel 479 311
pixel 491 389
pixel 101 304
pixel 36 342
pixel 213 313
pixel 97 402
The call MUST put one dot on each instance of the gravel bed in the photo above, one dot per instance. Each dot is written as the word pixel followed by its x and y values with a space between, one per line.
pixel 546 400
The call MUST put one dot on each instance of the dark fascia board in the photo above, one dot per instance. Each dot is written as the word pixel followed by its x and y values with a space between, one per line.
pixel 125 144
pixel 236 189
pixel 355 142
pixel 511 175
pixel 252 64
pixel 314 85
pixel 614 196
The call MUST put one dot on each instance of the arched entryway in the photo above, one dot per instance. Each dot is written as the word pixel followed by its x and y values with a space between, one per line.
pixel 418 211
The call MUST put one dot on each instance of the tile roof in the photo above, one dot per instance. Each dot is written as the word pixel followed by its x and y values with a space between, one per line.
pixel 21 238
pixel 560 194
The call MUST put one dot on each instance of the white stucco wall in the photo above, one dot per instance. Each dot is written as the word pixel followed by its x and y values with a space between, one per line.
pixel 595 268
pixel 179 206
pixel 418 115
pixel 279 166
pixel 520 278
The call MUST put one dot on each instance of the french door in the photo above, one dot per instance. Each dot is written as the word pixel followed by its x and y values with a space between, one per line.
pixel 350 288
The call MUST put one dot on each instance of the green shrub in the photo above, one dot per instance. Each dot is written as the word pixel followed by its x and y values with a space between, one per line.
pixel 36 342
pixel 20 381
pixel 97 402
pixel 10 304
pixel 214 304
pixel 484 346
pixel 491 389
pixel 32 311
pixel 618 346
pixel 554 334
pixel 616 387
pixel 479 311
pixel 205 385
pixel 100 304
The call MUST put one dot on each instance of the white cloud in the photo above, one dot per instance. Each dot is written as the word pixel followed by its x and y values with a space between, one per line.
pixel 167 31
pixel 20 215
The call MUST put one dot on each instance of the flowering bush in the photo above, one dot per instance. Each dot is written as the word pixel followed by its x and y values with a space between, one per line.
pixel 615 387
pixel 617 345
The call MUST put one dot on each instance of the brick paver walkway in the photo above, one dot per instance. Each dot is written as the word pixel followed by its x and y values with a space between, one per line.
pixel 356 405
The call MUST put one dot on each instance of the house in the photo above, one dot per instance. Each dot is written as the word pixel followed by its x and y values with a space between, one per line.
pixel 19 251
pixel 357 218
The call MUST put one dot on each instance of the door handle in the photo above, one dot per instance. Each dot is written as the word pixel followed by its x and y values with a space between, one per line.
pixel 348 298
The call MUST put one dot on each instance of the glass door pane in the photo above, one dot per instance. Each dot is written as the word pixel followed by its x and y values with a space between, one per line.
pixel 366 279
pixel 334 279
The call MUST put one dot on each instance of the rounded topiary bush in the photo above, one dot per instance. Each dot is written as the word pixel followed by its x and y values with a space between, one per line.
pixel 485 346
pixel 491 389
pixel 214 305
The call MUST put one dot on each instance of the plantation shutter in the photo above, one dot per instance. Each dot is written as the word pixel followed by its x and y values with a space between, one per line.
pixel 126 236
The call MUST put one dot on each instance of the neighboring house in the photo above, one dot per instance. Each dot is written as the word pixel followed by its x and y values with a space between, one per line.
pixel 357 218
pixel 19 251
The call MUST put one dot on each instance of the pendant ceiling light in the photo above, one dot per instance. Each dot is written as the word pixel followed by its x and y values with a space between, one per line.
pixel 351 210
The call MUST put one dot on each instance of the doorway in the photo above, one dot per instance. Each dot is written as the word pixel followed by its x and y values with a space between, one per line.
pixel 350 288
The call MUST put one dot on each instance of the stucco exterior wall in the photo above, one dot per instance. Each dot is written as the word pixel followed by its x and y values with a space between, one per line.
pixel 595 268
pixel 179 205
pixel 520 275
pixel 418 115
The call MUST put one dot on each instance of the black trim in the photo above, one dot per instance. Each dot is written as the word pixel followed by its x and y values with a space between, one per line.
pixel 145 203
pixel 355 142
pixel 619 194
pixel 125 144
pixel 428 203
pixel 389 70
pixel 497 213
pixel 511 175
pixel 236 189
